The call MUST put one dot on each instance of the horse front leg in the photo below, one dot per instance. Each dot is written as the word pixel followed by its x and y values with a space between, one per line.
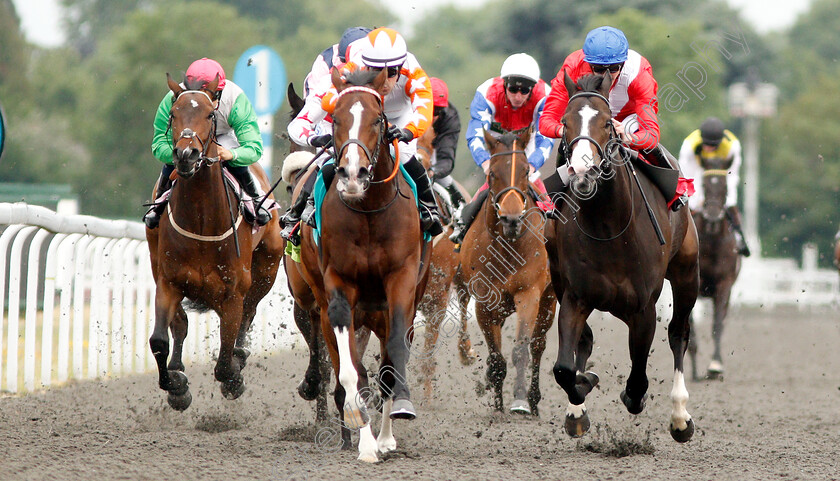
pixel 343 350
pixel 642 327
pixel 178 327
pixel 465 350
pixel 570 325
pixel 167 305
pixel 721 299
pixel 545 318
pixel 527 304
pixel 228 366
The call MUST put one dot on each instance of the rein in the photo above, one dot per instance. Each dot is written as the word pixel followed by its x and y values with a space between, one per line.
pixel 715 172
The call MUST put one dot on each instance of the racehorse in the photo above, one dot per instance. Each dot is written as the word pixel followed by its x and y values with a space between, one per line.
pixel 719 258
pixel 443 265
pixel 505 266
pixel 370 255
pixel 195 251
pixel 605 254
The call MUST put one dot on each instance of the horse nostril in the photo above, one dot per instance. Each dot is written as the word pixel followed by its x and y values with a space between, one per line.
pixel 341 172
pixel 363 173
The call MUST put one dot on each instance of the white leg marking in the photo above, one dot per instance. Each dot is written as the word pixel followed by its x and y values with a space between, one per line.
pixel 679 397
pixel 582 153
pixel 386 440
pixel 354 413
pixel 367 445
pixel 575 411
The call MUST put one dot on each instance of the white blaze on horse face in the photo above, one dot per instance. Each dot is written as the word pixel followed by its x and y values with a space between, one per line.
pixel 354 414
pixel 582 153
pixel 353 150
pixel 679 398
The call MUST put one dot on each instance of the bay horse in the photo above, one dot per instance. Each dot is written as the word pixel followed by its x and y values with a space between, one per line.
pixel 443 265
pixel 370 256
pixel 194 251
pixel 719 258
pixel 505 265
pixel 606 255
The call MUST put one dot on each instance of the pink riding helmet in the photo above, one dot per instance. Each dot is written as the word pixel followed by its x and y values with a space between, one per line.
pixel 206 69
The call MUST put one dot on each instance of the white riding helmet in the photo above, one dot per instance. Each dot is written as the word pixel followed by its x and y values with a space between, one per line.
pixel 386 48
pixel 521 65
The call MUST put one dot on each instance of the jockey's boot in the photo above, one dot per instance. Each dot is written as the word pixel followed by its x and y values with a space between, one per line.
pixel 301 209
pixel 664 159
pixel 455 196
pixel 429 216
pixel 249 185
pixel 462 224
pixel 734 217
pixel 152 217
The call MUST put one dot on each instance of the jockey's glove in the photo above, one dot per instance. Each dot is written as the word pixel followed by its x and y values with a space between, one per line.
pixel 320 140
pixel 396 133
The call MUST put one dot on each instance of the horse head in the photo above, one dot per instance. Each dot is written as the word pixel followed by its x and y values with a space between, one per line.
pixel 426 149
pixel 358 129
pixel 507 179
pixel 714 191
pixel 192 121
pixel 588 131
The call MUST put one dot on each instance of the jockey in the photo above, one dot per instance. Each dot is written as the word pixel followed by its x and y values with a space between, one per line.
pixel 512 101
pixel 632 97
pixel 712 140
pixel 407 96
pixel 447 125
pixel 312 127
pixel 237 133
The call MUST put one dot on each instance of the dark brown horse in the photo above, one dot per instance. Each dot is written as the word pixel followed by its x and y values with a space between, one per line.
pixel 371 256
pixel 719 258
pixel 194 253
pixel 434 306
pixel 607 256
pixel 505 266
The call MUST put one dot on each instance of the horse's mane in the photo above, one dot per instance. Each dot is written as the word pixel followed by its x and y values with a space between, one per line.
pixel 589 82
pixel 361 77
pixel 508 137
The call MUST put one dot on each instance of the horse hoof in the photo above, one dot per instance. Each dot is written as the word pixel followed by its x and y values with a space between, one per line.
pixel 468 357
pixel 715 371
pixel 179 402
pixel 403 409
pixel 178 383
pixel 577 427
pixel 368 457
pixel 588 378
pixel 232 389
pixel 520 407
pixel 633 407
pixel 355 418
pixel 242 355
pixel 309 390
pixel 684 435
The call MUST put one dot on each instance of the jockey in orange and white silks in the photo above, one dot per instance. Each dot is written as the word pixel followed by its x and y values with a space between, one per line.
pixel 407 101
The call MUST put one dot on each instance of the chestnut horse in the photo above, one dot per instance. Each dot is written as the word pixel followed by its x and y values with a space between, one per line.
pixel 194 251
pixel 719 258
pixel 505 265
pixel 607 256
pixel 443 265
pixel 371 255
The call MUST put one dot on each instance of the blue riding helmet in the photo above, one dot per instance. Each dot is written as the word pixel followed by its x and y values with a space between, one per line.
pixel 349 36
pixel 605 46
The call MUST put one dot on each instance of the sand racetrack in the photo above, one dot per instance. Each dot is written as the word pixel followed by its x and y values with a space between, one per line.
pixel 775 416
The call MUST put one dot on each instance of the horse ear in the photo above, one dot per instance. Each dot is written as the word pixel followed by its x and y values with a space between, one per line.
pixel 294 99
pixel 489 140
pixel 337 79
pixel 380 79
pixel 571 86
pixel 525 135
pixel 173 85
pixel 604 86
pixel 212 86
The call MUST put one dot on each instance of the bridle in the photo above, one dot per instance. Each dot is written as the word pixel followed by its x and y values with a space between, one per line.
pixel 372 156
pixel 500 196
pixel 193 136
